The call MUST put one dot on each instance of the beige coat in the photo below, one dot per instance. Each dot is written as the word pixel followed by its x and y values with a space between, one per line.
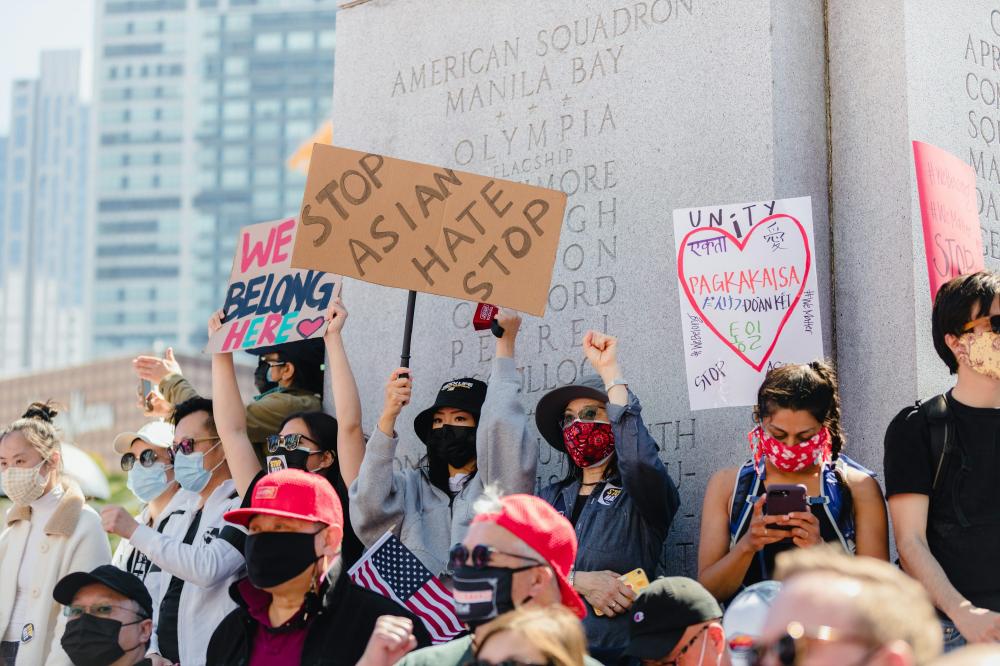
pixel 74 541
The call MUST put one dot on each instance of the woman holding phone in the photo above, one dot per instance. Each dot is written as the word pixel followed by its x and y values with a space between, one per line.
pixel 796 441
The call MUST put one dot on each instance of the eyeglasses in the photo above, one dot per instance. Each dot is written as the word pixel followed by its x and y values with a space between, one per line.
pixel 97 610
pixel 687 646
pixel 288 442
pixel 272 364
pixel 793 645
pixel 994 321
pixel 587 414
pixel 481 556
pixel 186 445
pixel 147 459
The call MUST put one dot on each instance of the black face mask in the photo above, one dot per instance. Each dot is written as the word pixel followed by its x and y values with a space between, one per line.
pixel 483 594
pixel 260 379
pixel 456 445
pixel 93 641
pixel 274 558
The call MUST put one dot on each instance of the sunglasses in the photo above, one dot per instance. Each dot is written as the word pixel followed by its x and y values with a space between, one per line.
pixel 994 321
pixel 791 647
pixel 587 415
pixel 186 445
pixel 288 443
pixel 687 646
pixel 481 556
pixel 147 459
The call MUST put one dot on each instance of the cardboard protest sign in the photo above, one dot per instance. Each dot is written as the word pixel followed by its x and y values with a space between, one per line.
pixel 268 302
pixel 953 241
pixel 428 228
pixel 747 287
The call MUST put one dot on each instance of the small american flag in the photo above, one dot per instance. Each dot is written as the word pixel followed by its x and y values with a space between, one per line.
pixel 390 569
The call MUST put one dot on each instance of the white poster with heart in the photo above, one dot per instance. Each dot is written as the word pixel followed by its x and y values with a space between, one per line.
pixel 748 295
pixel 267 301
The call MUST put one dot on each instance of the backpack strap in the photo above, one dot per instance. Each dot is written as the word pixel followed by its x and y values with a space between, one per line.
pixel 935 411
pixel 745 492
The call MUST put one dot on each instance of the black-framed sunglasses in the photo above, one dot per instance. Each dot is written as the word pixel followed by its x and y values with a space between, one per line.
pixel 186 445
pixel 683 650
pixel 994 321
pixel 288 442
pixel 481 556
pixel 588 414
pixel 792 646
pixel 147 459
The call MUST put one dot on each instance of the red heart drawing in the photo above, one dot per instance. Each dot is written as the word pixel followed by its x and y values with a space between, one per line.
pixel 741 245
pixel 306 327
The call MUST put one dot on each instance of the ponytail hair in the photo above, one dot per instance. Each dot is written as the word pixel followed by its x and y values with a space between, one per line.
pixel 37 427
pixel 809 386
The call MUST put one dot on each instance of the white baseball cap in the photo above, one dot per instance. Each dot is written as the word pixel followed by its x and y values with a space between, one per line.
pixel 155 433
pixel 744 619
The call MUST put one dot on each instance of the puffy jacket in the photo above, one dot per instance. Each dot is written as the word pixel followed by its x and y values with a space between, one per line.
pixel 626 518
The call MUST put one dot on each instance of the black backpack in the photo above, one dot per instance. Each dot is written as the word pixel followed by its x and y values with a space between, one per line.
pixel 938 417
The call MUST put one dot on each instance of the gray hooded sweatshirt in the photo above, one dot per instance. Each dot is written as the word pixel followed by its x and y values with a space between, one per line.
pixel 424 517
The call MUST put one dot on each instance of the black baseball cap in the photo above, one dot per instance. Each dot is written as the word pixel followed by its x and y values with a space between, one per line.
pixel 120 581
pixel 300 352
pixel 549 413
pixel 664 611
pixel 467 394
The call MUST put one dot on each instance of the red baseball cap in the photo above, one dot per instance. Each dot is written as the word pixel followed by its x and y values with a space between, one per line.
pixel 536 523
pixel 292 493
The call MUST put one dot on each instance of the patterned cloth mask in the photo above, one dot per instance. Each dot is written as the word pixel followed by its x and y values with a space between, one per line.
pixel 588 442
pixel 984 353
pixel 23 485
pixel 816 450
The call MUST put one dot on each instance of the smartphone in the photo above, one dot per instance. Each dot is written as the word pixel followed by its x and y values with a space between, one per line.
pixel 783 498
pixel 635 579
pixel 145 386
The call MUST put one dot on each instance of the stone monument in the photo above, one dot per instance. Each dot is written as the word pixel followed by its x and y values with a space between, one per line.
pixel 637 108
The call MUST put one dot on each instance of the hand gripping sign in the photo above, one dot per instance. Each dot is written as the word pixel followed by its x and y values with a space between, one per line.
pixel 268 302
pixel 429 229
pixel 747 287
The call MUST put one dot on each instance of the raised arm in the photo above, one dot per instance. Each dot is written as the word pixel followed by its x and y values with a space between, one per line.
pixel 230 416
pixel 346 401
pixel 505 455
pixel 378 494
pixel 643 473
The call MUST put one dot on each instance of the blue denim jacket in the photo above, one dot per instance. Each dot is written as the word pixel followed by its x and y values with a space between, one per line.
pixel 626 518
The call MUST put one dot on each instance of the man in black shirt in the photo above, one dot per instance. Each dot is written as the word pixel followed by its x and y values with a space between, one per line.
pixel 942 467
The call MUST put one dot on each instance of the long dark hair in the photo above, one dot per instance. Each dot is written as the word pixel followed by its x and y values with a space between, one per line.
pixel 809 386
pixel 323 430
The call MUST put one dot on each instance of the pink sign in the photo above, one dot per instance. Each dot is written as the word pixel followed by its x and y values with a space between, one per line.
pixel 953 241
pixel 268 302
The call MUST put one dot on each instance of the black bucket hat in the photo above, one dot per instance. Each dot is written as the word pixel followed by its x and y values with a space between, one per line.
pixel 549 413
pixel 467 394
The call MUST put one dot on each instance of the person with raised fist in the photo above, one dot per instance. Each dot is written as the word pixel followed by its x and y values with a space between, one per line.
pixel 475 436
pixel 617 494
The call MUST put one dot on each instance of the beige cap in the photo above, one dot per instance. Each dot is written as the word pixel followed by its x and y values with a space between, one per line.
pixel 156 433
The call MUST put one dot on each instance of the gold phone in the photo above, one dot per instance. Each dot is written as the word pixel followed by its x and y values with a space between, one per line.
pixel 635 579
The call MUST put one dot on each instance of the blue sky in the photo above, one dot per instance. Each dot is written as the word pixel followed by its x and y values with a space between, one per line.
pixel 27 27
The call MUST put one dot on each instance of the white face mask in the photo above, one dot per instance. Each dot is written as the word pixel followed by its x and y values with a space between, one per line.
pixel 23 485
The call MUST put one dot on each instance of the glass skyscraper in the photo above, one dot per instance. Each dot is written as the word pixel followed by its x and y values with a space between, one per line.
pixel 43 227
pixel 198 104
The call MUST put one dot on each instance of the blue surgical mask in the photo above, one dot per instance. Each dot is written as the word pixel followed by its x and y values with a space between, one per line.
pixel 148 483
pixel 190 472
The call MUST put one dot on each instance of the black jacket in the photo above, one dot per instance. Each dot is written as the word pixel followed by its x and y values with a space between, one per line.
pixel 337 636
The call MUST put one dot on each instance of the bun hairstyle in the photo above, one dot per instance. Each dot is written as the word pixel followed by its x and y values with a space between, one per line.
pixel 43 411
pixel 37 427
pixel 809 386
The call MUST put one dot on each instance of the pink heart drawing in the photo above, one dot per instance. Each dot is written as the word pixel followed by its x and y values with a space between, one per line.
pixel 743 270
pixel 306 327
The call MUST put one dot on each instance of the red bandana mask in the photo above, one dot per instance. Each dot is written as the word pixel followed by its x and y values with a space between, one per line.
pixel 588 442
pixel 814 451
